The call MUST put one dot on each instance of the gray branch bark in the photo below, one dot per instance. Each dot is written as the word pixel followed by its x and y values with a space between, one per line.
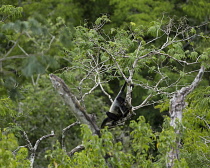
pixel 76 149
pixel 34 148
pixel 74 104
pixel 177 104
pixel 63 134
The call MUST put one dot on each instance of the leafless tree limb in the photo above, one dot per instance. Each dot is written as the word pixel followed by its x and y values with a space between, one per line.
pixel 76 149
pixel 28 141
pixel 15 151
pixel 34 148
pixel 177 104
pixel 11 49
pixel 64 131
pixel 73 103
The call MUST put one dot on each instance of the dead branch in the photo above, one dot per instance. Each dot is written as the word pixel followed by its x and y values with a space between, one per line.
pixel 34 148
pixel 73 103
pixel 177 104
pixel 64 131
pixel 76 149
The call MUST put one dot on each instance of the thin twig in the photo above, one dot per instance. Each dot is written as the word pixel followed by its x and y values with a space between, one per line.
pixel 64 131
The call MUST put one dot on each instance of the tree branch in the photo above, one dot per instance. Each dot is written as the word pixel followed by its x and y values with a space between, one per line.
pixel 73 103
pixel 33 149
pixel 177 104
pixel 64 131
pixel 76 149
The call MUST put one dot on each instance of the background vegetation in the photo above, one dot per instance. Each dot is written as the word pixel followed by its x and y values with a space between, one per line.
pixel 84 41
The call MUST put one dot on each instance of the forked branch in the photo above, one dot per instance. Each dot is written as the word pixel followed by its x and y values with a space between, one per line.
pixel 74 104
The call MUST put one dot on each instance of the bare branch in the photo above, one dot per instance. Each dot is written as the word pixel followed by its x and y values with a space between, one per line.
pixel 185 62
pixel 116 63
pixel 33 150
pixel 76 149
pixel 73 103
pixel 28 141
pixel 202 118
pixel 150 95
pixel 178 100
pixel 42 138
pixel 90 91
pixel 64 131
pixel 15 44
pixel 177 104
pixel 110 98
pixel 15 151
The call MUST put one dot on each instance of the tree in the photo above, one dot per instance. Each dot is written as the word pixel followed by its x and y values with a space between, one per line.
pixel 168 67
pixel 89 64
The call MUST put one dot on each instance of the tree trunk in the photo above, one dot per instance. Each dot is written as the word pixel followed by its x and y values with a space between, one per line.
pixel 177 104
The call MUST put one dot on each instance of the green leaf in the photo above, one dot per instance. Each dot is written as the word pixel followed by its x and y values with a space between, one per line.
pixel 32 66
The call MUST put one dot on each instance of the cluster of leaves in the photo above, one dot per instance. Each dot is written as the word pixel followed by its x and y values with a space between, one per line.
pixel 9 156
pixel 9 11
pixel 146 149
pixel 196 148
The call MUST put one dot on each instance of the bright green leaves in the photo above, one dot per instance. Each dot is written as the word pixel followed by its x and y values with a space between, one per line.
pixel 164 106
pixel 92 155
pixel 58 157
pixel 97 148
pixel 166 138
pixel 154 29
pixel 205 58
pixel 176 50
pixel 193 55
pixel 7 107
pixel 9 11
pixel 9 157
pixel 143 140
pixel 193 30
pixel 196 121
pixel 85 41
pixel 93 48
pixel 102 20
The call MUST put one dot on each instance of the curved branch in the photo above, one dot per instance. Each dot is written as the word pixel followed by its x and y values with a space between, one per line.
pixel 76 149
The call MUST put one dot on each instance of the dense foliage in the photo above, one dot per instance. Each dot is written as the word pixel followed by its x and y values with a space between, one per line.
pixel 91 45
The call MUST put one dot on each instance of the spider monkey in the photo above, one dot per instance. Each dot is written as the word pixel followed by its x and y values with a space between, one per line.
pixel 118 109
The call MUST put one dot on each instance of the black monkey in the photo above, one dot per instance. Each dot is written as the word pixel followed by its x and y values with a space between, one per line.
pixel 118 109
